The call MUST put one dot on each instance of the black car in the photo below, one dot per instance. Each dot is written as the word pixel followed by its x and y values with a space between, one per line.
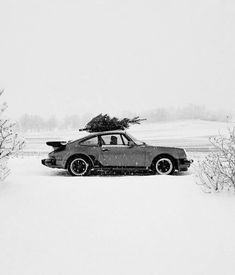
pixel 114 150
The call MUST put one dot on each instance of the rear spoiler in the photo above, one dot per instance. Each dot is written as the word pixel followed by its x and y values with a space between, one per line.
pixel 57 144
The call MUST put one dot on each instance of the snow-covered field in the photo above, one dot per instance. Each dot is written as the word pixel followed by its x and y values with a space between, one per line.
pixel 191 134
pixel 55 224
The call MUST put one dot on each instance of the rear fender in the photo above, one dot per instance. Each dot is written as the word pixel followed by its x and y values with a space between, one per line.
pixel 87 158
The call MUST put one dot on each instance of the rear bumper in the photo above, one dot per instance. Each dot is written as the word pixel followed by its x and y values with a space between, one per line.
pixel 184 164
pixel 49 163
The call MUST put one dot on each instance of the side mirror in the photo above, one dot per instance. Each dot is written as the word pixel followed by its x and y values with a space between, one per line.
pixel 131 143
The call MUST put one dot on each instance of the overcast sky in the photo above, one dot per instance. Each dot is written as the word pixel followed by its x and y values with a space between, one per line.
pixel 84 56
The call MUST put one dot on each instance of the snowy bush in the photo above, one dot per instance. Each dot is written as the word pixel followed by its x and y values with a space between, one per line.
pixel 217 171
pixel 10 143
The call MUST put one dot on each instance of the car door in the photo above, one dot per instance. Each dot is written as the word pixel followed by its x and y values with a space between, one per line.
pixel 115 151
pixel 135 155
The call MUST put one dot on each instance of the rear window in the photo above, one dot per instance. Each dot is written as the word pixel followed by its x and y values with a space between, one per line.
pixel 90 141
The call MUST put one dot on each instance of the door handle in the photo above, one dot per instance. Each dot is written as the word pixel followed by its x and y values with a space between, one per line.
pixel 105 149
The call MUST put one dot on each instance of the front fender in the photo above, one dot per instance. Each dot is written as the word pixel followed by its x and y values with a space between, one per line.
pixel 155 151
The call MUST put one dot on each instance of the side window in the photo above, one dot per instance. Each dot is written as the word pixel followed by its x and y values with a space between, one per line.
pixel 125 140
pixel 114 139
pixel 90 141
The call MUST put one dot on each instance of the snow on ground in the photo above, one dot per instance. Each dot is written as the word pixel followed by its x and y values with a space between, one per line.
pixel 55 224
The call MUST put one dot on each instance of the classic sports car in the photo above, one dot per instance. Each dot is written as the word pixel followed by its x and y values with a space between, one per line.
pixel 114 150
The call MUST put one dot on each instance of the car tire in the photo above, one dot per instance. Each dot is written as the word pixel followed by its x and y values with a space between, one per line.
pixel 164 165
pixel 78 166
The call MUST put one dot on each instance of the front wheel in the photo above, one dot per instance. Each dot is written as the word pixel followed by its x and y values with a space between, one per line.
pixel 78 167
pixel 164 166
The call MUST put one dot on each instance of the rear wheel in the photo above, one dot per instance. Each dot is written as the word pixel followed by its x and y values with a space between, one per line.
pixel 78 167
pixel 164 166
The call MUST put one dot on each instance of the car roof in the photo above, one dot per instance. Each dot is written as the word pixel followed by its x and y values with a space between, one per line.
pixel 90 135
pixel 106 133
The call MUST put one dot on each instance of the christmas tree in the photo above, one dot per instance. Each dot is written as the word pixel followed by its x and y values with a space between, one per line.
pixel 10 143
pixel 102 123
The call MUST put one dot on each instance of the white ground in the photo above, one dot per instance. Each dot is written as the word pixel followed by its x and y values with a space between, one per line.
pixel 55 224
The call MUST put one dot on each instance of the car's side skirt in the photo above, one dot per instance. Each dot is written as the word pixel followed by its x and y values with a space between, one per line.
pixel 120 168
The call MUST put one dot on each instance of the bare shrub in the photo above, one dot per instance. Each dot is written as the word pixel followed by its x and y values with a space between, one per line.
pixel 217 171
pixel 10 143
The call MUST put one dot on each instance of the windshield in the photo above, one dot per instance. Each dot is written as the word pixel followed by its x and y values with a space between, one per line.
pixel 137 142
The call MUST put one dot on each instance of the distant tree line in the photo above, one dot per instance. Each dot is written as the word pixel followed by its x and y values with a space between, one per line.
pixel 29 122
pixel 187 112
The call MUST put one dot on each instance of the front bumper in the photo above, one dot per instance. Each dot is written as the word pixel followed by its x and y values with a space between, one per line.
pixel 184 164
pixel 49 163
